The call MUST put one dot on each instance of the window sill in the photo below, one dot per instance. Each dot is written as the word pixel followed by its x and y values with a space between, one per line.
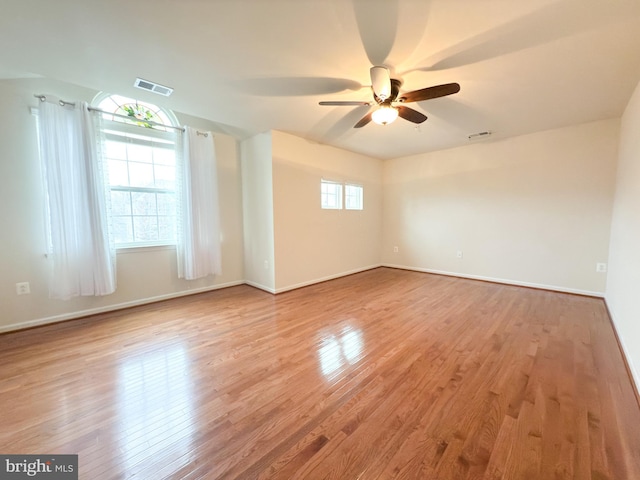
pixel 143 248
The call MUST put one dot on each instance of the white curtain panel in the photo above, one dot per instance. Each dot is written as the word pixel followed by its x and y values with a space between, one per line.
pixel 198 210
pixel 83 257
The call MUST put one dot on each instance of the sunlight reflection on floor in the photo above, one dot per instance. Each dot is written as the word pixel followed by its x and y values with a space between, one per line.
pixel 156 407
pixel 339 350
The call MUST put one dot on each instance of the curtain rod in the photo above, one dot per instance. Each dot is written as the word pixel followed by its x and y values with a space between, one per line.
pixel 62 103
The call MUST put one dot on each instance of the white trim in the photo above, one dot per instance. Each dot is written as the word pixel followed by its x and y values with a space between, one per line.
pixel 635 373
pixel 259 286
pixel 123 249
pixel 517 283
pixel 110 308
pixel 324 279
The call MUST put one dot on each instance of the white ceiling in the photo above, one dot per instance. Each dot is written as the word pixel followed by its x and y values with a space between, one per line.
pixel 257 65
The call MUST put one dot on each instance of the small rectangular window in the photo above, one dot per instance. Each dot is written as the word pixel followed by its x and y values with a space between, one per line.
pixel 331 195
pixel 353 197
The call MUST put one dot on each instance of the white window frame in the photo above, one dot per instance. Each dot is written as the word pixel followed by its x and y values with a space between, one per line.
pixel 326 195
pixel 114 129
pixel 359 196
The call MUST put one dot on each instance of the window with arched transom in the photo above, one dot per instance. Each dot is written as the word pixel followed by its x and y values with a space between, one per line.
pixel 139 142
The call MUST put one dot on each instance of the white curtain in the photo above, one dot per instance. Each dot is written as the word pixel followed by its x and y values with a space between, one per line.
pixel 198 212
pixel 83 257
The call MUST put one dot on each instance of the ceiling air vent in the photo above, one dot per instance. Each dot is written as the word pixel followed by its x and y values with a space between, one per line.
pixel 153 87
pixel 474 136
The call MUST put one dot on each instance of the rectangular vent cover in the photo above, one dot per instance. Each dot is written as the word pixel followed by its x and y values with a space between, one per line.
pixel 153 87
pixel 474 136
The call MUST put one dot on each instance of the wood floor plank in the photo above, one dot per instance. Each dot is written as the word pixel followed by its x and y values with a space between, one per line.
pixel 379 375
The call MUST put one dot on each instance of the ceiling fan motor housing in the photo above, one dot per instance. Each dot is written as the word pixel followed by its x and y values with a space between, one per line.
pixel 393 96
pixel 380 82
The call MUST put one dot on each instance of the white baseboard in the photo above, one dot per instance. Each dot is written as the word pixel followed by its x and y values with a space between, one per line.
pixel 259 286
pixel 110 308
pixel 554 288
pixel 635 374
pixel 324 279
pixel 119 306
pixel 158 298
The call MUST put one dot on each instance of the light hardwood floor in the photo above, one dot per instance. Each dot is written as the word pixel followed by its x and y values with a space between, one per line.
pixel 382 374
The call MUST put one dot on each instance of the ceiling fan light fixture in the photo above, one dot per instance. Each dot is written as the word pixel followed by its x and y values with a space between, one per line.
pixel 385 115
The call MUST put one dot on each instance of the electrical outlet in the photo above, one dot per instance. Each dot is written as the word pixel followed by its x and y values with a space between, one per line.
pixel 23 288
pixel 266 264
pixel 395 249
pixel 601 267
pixel 459 254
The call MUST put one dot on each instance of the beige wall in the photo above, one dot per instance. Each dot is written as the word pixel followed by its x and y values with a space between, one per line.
pixel 531 210
pixel 312 244
pixel 623 284
pixel 257 202
pixel 143 275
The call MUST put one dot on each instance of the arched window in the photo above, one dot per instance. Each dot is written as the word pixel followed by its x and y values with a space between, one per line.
pixel 140 113
pixel 141 156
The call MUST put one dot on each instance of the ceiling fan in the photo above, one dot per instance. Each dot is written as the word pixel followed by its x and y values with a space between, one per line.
pixel 386 93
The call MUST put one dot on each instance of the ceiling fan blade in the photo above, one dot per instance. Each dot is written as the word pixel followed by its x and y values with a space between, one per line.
pixel 429 93
pixel 410 114
pixel 344 103
pixel 380 82
pixel 294 86
pixel 363 121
